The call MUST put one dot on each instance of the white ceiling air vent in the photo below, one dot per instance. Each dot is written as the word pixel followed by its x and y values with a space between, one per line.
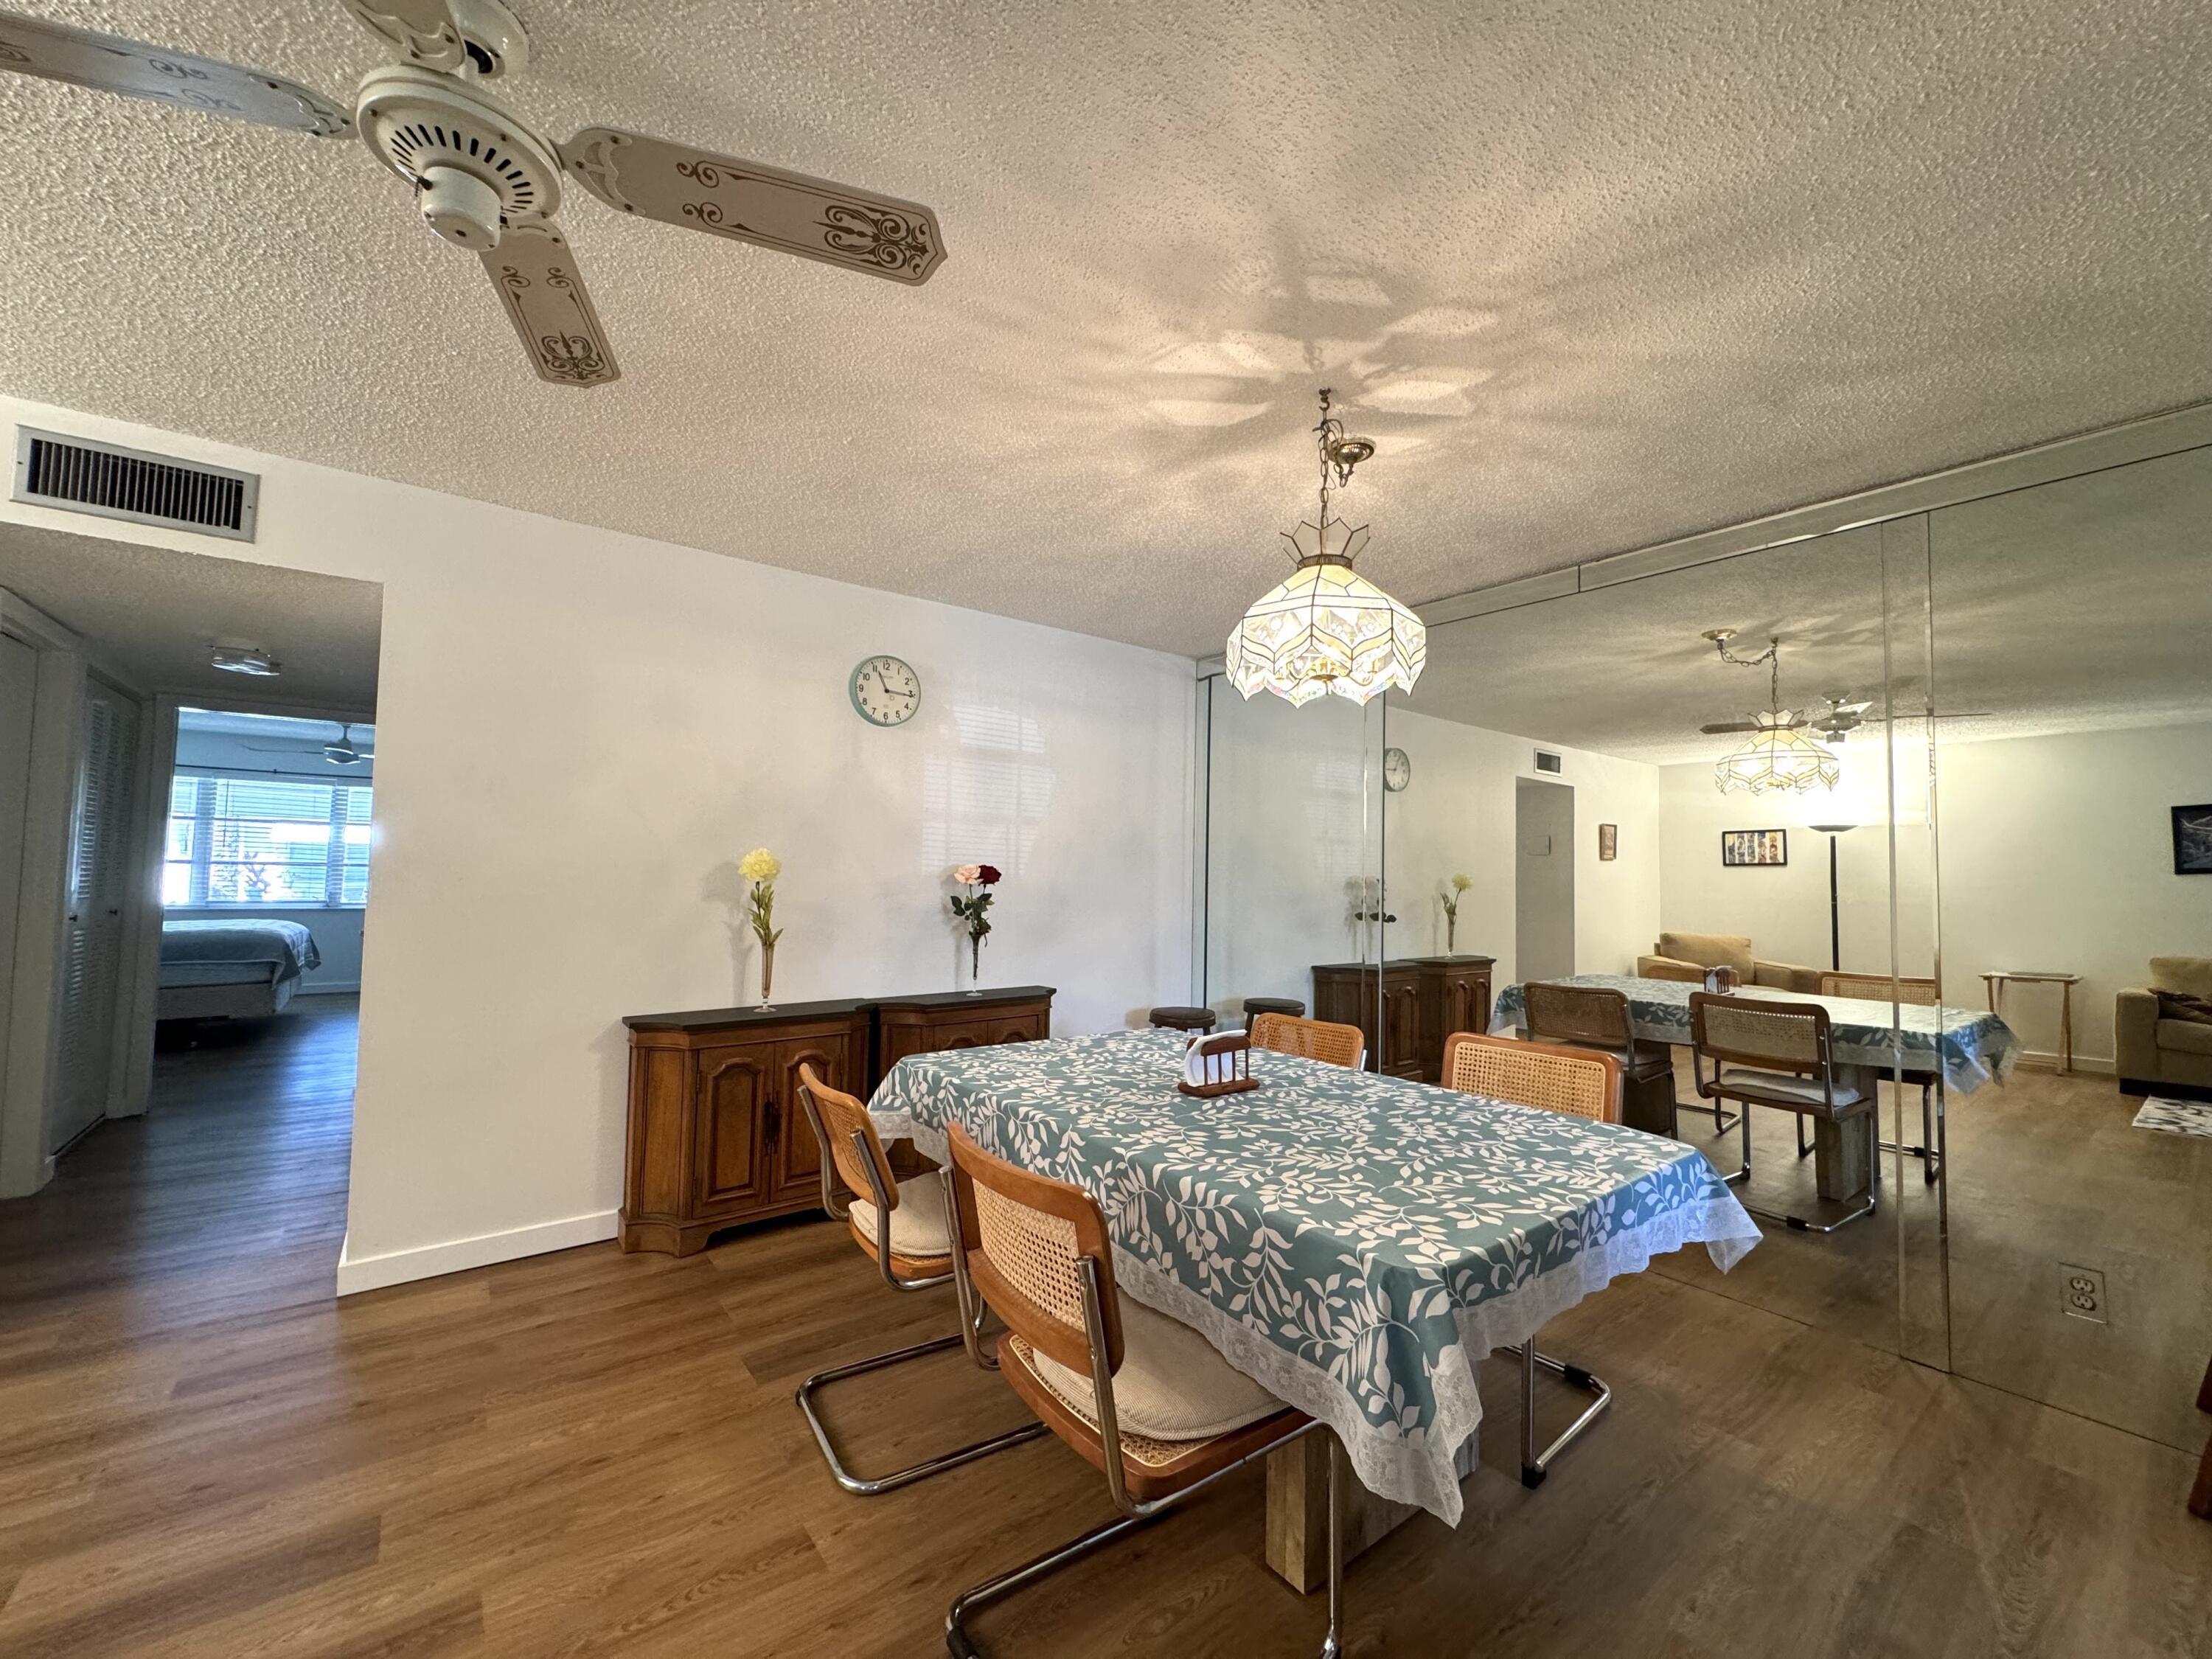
pixel 77 475
pixel 1548 761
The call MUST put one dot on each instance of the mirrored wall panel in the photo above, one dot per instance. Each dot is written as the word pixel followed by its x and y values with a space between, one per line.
pixel 2074 661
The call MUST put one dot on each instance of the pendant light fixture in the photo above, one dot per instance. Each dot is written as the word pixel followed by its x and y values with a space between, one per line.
pixel 1326 627
pixel 1777 756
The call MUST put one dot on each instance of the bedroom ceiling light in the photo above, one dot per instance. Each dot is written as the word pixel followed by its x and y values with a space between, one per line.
pixel 1777 756
pixel 1327 627
pixel 244 659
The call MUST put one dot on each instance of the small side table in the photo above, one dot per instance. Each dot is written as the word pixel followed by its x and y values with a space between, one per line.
pixel 1996 981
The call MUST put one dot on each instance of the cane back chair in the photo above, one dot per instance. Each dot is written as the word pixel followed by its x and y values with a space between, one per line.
pixel 1597 1016
pixel 1144 1398
pixel 1577 1082
pixel 1311 1039
pixel 903 1227
pixel 1780 1054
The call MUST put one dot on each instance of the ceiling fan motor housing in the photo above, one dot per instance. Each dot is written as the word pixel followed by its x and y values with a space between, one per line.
pixel 475 167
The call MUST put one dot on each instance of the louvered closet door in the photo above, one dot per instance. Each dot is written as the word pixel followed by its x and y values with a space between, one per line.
pixel 93 940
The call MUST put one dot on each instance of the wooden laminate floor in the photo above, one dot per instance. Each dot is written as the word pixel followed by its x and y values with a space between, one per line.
pixel 587 1454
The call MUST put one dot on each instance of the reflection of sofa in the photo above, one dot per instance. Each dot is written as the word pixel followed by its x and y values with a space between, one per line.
pixel 2163 1056
pixel 1686 956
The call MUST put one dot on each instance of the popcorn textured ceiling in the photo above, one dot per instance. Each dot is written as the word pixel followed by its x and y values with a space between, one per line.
pixel 1594 275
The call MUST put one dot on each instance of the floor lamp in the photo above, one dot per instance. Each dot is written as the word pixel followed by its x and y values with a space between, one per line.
pixel 1834 832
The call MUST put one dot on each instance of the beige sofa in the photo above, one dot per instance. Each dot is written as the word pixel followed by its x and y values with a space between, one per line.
pixel 1686 956
pixel 2156 1056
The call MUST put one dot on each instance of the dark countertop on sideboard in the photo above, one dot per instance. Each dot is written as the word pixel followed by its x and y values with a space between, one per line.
pixel 1395 962
pixel 704 1019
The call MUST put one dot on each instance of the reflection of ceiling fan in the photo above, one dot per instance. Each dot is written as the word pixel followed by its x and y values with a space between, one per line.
pixel 1843 716
pixel 484 181
pixel 340 752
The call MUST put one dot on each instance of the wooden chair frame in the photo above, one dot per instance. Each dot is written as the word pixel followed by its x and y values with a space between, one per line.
pixel 1099 1352
pixel 1631 1064
pixel 1321 1039
pixel 856 1148
pixel 1535 1466
pixel 1821 1066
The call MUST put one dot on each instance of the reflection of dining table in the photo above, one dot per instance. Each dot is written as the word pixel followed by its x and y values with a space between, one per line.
pixel 1355 1242
pixel 1966 1047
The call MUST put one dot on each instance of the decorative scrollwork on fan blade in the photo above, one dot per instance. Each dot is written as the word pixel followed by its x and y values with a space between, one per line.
pixel 109 62
pixel 751 201
pixel 549 307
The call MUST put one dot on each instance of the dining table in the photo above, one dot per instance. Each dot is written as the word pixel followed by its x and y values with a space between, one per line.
pixel 1355 1242
pixel 1967 1048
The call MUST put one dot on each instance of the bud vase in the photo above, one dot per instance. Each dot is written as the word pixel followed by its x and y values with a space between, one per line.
pixel 1451 935
pixel 974 964
pixel 768 976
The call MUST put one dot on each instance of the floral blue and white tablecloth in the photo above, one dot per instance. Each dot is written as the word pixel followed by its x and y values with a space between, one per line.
pixel 1355 1242
pixel 1976 1048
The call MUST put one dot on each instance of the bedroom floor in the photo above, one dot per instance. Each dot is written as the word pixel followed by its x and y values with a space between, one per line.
pixel 202 1454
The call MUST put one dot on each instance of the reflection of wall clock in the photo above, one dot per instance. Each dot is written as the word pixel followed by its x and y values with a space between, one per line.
pixel 1397 770
pixel 885 691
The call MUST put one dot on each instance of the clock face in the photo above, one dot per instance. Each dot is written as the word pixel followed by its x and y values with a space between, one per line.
pixel 885 691
pixel 1397 770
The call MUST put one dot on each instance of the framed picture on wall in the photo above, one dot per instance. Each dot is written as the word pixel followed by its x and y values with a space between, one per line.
pixel 1608 842
pixel 2192 839
pixel 1747 847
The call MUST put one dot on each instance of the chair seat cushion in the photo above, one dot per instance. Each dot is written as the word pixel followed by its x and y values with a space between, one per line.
pixel 1786 1087
pixel 918 1222
pixel 1173 1383
pixel 2185 1035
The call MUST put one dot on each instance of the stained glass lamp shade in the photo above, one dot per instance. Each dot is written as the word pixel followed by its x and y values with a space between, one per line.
pixel 1327 627
pixel 1776 757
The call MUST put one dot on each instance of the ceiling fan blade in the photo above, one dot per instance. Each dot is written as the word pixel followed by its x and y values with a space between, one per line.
pixel 791 212
pixel 422 31
pixel 1724 726
pixel 551 310
pixel 109 62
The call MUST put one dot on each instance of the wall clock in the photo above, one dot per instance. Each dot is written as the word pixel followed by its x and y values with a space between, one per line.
pixel 885 691
pixel 1397 770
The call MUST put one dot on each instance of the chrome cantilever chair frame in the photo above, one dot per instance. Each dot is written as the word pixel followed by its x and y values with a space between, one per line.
pixel 1135 1513
pixel 1822 1065
pixel 1534 1468
pixel 971 1309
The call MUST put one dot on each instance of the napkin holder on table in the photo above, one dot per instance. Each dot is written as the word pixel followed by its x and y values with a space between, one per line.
pixel 1220 1065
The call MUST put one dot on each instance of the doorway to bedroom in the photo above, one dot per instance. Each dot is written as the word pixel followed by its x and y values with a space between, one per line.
pixel 191 882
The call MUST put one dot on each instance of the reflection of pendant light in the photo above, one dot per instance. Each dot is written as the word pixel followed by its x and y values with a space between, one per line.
pixel 1777 754
pixel 1327 627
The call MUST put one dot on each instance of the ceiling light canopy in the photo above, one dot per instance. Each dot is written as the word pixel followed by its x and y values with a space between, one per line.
pixel 1326 627
pixel 244 659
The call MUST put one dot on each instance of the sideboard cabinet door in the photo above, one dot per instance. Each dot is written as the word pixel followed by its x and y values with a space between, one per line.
pixel 734 1091
pixel 797 1155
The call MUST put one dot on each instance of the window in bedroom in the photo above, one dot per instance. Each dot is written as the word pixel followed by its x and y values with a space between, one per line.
pixel 275 842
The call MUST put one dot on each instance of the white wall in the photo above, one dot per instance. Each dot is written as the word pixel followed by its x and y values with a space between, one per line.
pixel 579 733
pixel 2056 853
pixel 1457 817
pixel 1784 909
pixel 1291 825
pixel 1292 822
pixel 337 932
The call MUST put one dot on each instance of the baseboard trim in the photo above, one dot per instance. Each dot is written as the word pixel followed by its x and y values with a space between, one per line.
pixel 374 1272
pixel 2036 1061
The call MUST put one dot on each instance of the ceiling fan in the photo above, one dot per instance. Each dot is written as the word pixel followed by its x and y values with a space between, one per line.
pixel 484 181
pixel 341 752
pixel 1843 714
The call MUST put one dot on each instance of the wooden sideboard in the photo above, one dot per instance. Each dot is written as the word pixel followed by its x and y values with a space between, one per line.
pixel 717 1135
pixel 1424 1000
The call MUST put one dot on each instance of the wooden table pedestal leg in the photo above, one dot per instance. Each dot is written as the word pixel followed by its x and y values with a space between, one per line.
pixel 1297 1513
